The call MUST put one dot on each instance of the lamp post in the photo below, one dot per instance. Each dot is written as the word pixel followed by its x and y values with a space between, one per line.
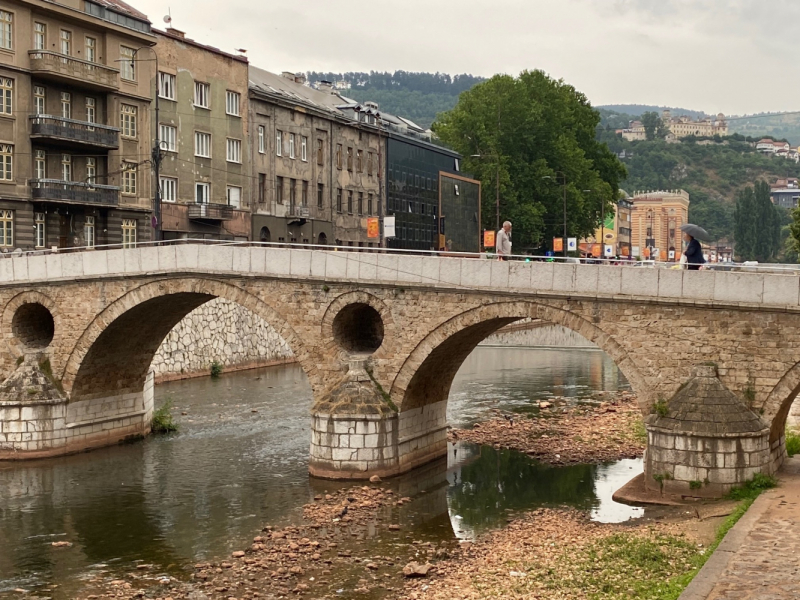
pixel 564 180
pixel 497 200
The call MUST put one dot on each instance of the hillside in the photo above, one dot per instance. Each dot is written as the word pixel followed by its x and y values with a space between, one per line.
pixel 637 110
pixel 712 174
pixel 778 125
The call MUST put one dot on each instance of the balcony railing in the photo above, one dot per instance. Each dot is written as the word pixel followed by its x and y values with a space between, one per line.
pixel 210 212
pixel 74 192
pixel 71 130
pixel 46 62
pixel 298 211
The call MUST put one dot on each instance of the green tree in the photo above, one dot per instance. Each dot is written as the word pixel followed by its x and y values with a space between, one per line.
pixel 542 134
pixel 745 230
pixel 758 224
pixel 794 231
pixel 653 126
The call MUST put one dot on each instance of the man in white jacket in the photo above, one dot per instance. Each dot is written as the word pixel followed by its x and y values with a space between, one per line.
pixel 503 244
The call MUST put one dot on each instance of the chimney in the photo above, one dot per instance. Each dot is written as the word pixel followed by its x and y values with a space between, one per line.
pixel 300 78
pixel 325 86
pixel 176 32
pixel 288 75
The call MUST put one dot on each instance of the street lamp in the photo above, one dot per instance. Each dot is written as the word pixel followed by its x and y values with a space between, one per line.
pixel 497 201
pixel 564 179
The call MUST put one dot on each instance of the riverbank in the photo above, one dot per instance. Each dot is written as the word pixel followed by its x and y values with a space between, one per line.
pixel 608 429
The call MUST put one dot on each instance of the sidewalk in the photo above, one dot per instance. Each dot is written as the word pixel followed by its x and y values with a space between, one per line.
pixel 759 559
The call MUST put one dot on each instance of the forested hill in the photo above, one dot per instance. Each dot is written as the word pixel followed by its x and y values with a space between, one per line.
pixel 417 96
pixel 637 110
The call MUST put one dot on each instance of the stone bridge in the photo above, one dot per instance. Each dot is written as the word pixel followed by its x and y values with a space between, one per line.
pixel 381 337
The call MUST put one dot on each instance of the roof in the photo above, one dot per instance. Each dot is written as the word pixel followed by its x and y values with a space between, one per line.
pixel 122 7
pixel 272 83
pixel 192 42
pixel 704 406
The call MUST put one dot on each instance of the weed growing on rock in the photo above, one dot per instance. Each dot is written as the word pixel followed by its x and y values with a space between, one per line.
pixel 661 408
pixel 751 489
pixel 216 369
pixel 162 421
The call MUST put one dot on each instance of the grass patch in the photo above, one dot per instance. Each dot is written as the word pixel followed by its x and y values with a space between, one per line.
pixel 751 489
pixel 384 394
pixel 216 369
pixel 162 421
pixel 638 432
pixel 792 442
pixel 661 408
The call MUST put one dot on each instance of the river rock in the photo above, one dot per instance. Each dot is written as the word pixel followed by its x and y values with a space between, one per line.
pixel 375 479
pixel 414 569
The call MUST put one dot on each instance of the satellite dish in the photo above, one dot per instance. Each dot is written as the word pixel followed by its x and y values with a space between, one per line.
pixel 168 19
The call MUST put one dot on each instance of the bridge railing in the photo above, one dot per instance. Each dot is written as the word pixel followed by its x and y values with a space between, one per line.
pixel 749 267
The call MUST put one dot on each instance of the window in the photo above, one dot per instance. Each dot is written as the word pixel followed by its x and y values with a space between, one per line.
pixel 262 188
pixel 6 227
pixel 320 194
pixel 262 142
pixel 360 161
pixel 91 111
pixel 6 95
pixel 38 100
pixel 202 192
pixel 292 193
pixel 127 66
pixel 129 178
pixel 39 36
pixel 338 156
pixel 91 170
pixel 168 137
pixel 320 153
pixel 279 190
pixel 66 42
pixel 369 164
pixel 66 105
pixel 128 233
pixel 128 121
pixel 166 85
pixel 350 159
pixel 279 143
pixel 91 50
pixel 88 232
pixel 234 151
pixel 339 200
pixel 39 225
pixel 304 149
pixel 66 167
pixel 202 144
pixel 232 100
pixel 6 162
pixel 304 195
pixel 291 145
pixel 40 164
pixel 6 29
pixel 369 204
pixel 349 202
pixel 234 196
pixel 169 189
pixel 360 203
pixel 201 94
pixel 457 165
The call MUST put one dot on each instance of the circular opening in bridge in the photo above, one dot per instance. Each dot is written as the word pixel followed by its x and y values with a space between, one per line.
pixel 33 325
pixel 358 328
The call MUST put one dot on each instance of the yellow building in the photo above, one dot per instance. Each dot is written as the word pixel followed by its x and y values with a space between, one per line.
pixel 656 220
pixel 682 127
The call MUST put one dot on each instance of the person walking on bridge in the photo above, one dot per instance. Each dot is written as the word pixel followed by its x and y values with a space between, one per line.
pixel 503 243
pixel 693 253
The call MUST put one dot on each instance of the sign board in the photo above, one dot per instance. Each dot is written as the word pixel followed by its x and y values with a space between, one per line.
pixel 646 253
pixel 572 244
pixel 596 250
pixel 635 251
pixel 625 251
pixel 388 227
pixel 663 255
pixel 558 244
pixel 373 227
pixel 672 254
pixel 609 251
pixel 488 238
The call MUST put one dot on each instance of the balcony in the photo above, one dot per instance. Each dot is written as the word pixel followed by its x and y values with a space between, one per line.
pixel 74 192
pixel 80 133
pixel 210 212
pixel 52 65
pixel 301 212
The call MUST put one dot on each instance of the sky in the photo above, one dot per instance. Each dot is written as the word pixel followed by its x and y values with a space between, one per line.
pixel 712 55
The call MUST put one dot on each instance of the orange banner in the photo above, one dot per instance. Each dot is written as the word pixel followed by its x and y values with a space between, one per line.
pixel 558 244
pixel 597 251
pixel 625 251
pixel 663 255
pixel 373 227
pixel 647 253
pixel 488 239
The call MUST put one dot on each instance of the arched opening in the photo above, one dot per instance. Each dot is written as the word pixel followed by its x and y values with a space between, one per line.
pixel 322 239
pixel 358 328
pixel 33 325
pixel 264 235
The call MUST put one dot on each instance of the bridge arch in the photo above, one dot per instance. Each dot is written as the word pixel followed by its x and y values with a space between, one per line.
pixel 114 352
pixel 778 403
pixel 427 374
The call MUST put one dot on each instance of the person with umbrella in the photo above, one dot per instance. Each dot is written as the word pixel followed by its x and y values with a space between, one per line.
pixel 694 252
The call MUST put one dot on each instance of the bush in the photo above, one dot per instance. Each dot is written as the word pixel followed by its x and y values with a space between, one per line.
pixel 162 419
pixel 792 442
pixel 216 369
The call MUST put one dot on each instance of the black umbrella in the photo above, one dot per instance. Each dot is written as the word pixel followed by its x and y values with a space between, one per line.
pixel 696 232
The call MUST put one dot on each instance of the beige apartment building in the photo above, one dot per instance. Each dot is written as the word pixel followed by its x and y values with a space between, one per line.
pixel 74 124
pixel 316 172
pixel 204 178
pixel 656 219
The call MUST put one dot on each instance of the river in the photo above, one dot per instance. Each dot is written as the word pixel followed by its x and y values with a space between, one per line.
pixel 239 462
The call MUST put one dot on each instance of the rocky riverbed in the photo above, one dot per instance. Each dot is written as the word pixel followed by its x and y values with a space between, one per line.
pixel 607 429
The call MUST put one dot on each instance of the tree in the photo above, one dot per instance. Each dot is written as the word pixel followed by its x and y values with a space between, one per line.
pixel 744 224
pixel 654 127
pixel 536 129
pixel 794 230
pixel 757 224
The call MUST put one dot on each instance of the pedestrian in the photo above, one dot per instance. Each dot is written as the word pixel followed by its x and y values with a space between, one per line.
pixel 503 244
pixel 693 254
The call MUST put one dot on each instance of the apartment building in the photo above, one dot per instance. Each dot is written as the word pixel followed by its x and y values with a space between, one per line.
pixel 316 173
pixel 204 177
pixel 74 124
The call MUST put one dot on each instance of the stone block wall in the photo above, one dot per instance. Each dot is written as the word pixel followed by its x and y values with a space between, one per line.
pixel 220 331
pixel 353 446
pixel 548 335
pixel 422 434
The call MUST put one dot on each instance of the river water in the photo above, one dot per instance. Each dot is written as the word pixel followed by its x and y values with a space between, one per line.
pixel 240 459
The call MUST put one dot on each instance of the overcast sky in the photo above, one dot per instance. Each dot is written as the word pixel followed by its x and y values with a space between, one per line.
pixel 712 55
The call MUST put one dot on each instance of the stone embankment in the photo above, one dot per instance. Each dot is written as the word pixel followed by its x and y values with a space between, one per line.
pixel 223 332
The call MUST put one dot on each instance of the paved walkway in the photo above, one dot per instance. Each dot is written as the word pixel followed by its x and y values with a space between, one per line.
pixel 759 559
